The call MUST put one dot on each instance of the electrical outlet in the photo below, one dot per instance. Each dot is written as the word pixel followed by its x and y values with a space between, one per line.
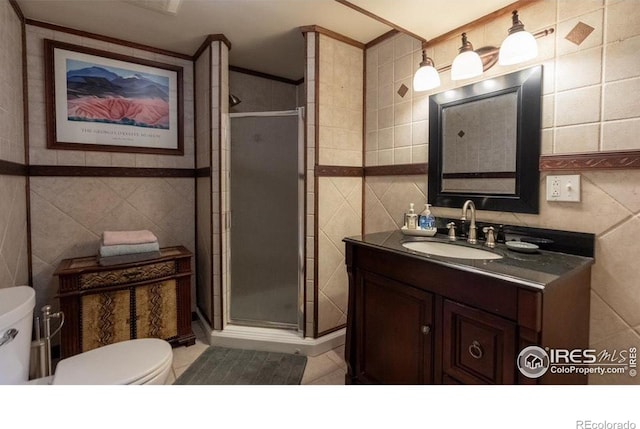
pixel 563 188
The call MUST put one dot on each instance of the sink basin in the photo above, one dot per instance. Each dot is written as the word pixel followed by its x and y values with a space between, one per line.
pixel 450 250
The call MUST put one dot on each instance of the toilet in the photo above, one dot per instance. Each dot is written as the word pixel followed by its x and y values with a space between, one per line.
pixel 139 361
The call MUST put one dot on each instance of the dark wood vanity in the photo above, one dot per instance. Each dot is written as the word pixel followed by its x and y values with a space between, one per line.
pixel 415 319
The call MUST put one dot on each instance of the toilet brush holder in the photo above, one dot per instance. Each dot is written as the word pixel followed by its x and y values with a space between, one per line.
pixel 38 355
pixel 41 361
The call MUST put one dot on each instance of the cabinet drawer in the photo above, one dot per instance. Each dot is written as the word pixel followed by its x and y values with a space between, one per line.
pixel 478 347
pixel 127 275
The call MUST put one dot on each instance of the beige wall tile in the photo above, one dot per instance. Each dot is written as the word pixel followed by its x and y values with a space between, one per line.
pixel 623 21
pixel 578 106
pixel 371 158
pixel 385 157
pixel 571 8
pixel 621 135
pixel 385 117
pixel 621 185
pixel 420 133
pixel 548 105
pixel 402 155
pixel 403 68
pixel 419 153
pixel 402 113
pixel 371 141
pixel 575 139
pixel 579 69
pixel 402 136
pixel 622 99
pixel 546 142
pixel 385 96
pixel 622 60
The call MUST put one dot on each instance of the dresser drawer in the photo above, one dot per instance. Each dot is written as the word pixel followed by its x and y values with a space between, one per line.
pixel 478 347
pixel 127 275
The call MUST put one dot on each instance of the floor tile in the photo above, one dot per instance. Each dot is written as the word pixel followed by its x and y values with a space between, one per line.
pixel 334 378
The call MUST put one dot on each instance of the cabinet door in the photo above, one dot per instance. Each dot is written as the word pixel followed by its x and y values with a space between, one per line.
pixel 105 318
pixel 478 347
pixel 393 322
pixel 157 310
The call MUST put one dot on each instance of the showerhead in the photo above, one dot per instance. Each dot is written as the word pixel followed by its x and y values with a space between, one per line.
pixel 233 100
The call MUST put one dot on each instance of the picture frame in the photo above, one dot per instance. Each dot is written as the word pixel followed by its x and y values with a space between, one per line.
pixel 103 101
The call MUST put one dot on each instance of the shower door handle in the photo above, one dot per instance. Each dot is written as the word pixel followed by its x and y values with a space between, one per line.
pixel 8 336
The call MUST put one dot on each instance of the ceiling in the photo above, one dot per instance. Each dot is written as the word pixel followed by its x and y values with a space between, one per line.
pixel 264 34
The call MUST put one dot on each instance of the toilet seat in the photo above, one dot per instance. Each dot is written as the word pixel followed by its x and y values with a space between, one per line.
pixel 137 361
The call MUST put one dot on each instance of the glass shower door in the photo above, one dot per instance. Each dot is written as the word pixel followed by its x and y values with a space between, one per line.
pixel 264 186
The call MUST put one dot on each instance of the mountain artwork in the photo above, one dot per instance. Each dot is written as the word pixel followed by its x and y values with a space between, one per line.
pixel 111 95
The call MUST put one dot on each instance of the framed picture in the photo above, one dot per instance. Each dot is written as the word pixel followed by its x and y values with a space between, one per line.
pixel 102 101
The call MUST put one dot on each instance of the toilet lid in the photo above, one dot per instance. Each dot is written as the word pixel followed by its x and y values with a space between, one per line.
pixel 119 363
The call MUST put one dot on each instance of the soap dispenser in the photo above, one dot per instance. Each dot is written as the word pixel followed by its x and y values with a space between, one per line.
pixel 411 218
pixel 426 220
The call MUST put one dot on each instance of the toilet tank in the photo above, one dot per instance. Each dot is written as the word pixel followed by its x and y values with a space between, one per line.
pixel 16 312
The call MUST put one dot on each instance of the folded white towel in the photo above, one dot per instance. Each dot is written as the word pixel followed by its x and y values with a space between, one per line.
pixel 112 238
pixel 128 249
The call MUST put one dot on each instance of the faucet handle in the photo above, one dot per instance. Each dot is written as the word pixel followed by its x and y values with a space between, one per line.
pixel 452 231
pixel 491 242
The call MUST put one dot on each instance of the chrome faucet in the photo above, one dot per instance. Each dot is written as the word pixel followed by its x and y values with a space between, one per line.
pixel 472 226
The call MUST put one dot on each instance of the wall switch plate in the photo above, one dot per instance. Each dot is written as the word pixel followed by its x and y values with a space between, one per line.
pixel 563 188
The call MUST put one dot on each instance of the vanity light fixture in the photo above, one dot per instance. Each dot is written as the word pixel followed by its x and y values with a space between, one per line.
pixel 426 76
pixel 519 46
pixel 468 63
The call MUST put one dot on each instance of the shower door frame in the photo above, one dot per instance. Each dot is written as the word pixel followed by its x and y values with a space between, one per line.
pixel 299 112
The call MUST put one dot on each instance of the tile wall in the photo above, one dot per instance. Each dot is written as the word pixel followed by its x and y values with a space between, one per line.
pixel 14 264
pixel 339 210
pixel 204 243
pixel 212 203
pixel 70 213
pixel 310 135
pixel 591 103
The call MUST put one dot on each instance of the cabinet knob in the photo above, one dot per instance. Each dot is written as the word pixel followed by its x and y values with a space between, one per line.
pixel 426 329
pixel 475 350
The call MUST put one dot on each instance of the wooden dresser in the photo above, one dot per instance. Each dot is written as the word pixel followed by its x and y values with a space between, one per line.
pixel 105 305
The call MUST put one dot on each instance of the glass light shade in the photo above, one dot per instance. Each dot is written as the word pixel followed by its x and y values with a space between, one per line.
pixel 426 78
pixel 518 48
pixel 466 65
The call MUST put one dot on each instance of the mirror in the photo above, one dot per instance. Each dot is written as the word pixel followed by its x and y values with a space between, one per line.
pixel 484 143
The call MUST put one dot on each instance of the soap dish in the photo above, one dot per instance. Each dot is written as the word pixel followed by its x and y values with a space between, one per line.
pixel 419 232
pixel 521 246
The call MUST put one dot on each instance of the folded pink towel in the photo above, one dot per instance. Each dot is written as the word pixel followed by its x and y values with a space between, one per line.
pixel 112 238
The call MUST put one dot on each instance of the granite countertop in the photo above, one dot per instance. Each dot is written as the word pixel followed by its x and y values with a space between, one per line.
pixel 535 270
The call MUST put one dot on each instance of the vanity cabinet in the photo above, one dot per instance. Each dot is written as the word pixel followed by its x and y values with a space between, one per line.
pixel 106 305
pixel 394 325
pixel 415 321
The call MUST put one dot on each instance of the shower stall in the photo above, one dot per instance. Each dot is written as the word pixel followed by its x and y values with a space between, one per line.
pixel 267 220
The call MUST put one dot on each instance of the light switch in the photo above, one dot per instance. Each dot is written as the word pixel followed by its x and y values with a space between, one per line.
pixel 563 188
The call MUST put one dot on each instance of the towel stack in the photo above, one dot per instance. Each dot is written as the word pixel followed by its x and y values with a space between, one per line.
pixel 128 246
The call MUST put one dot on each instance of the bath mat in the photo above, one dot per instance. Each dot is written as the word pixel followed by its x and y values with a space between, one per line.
pixel 219 365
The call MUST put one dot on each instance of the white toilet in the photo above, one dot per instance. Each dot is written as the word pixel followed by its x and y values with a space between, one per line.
pixel 140 361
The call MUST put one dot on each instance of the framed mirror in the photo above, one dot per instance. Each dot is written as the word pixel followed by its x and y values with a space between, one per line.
pixel 484 144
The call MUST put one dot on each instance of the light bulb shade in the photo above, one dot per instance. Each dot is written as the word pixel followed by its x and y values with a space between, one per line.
pixel 466 65
pixel 519 47
pixel 426 78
